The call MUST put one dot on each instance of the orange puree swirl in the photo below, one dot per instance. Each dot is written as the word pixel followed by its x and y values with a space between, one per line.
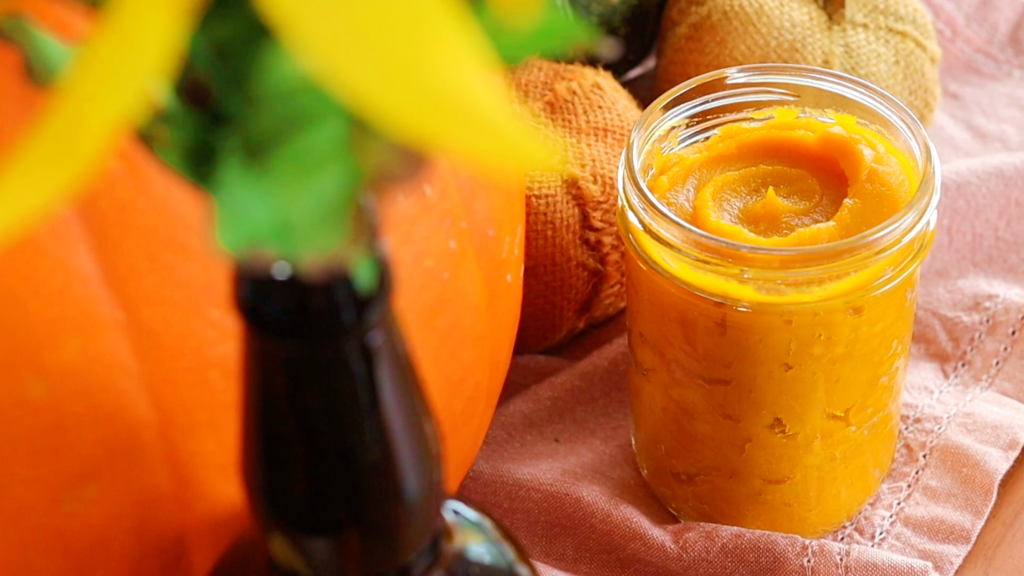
pixel 787 178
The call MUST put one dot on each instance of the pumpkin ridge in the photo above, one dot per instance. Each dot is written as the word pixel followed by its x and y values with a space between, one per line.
pixel 191 359
pixel 171 464
pixel 68 234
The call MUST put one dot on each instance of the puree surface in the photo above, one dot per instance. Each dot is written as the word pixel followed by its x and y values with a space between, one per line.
pixel 787 179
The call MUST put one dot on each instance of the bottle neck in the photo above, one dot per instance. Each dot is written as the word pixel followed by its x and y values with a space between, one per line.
pixel 341 456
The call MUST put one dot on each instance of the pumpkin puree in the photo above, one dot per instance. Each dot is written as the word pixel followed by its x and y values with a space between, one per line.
pixel 771 411
pixel 789 180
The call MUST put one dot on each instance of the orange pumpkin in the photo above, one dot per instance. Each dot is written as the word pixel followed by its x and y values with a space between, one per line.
pixel 120 420
pixel 455 245
pixel 120 415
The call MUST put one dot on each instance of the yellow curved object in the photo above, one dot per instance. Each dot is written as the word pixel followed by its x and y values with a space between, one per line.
pixel 112 85
pixel 517 11
pixel 422 72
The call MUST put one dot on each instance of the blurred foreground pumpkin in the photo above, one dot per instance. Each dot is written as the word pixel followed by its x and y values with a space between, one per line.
pixel 890 43
pixel 454 242
pixel 120 421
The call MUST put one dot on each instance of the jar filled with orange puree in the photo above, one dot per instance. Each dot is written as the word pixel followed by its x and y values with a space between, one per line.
pixel 776 218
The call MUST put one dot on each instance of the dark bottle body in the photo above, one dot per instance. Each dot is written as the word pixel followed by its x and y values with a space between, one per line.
pixel 341 458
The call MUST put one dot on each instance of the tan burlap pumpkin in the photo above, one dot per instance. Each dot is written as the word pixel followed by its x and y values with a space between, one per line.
pixel 890 43
pixel 573 274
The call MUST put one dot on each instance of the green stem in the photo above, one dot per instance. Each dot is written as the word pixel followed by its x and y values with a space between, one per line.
pixel 45 55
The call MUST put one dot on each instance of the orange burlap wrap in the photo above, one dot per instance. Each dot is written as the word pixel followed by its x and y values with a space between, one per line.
pixel 573 272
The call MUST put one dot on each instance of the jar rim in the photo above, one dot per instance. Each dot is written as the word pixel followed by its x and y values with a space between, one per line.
pixel 838 82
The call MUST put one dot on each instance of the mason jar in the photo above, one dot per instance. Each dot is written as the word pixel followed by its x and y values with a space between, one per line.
pixel 765 380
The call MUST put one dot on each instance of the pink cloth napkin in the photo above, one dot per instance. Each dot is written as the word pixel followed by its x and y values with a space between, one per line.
pixel 558 467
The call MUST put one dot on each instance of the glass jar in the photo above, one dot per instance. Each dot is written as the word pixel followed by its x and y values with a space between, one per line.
pixel 765 381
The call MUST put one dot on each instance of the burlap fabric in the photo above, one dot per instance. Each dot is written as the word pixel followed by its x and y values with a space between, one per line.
pixel 890 43
pixel 574 274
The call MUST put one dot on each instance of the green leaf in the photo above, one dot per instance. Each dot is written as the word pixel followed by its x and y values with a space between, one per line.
pixel 211 96
pixel 365 272
pixel 221 55
pixel 247 123
pixel 554 34
pixel 181 136
pixel 286 180
pixel 274 150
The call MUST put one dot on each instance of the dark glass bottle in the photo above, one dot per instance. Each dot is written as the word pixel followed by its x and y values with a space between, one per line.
pixel 632 24
pixel 341 457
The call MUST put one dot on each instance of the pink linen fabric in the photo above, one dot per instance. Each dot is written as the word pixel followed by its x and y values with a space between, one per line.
pixel 558 467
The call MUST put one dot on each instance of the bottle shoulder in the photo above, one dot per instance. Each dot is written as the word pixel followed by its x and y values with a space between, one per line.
pixel 477 545
pixel 472 544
